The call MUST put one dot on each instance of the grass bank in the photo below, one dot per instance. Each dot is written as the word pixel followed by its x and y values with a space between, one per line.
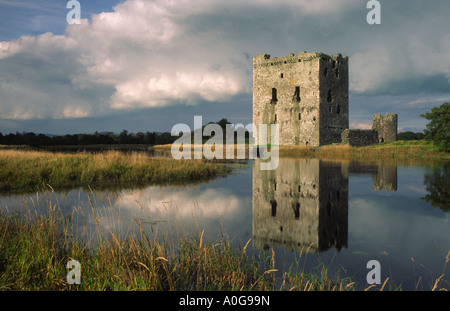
pixel 34 252
pixel 22 171
pixel 414 150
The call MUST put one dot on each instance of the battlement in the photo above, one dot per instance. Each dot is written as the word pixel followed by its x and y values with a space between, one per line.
pixel 292 58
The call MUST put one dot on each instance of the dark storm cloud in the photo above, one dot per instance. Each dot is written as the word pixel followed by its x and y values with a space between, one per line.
pixel 180 57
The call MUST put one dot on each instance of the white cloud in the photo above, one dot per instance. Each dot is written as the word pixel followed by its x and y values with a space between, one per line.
pixel 361 125
pixel 159 53
pixel 427 102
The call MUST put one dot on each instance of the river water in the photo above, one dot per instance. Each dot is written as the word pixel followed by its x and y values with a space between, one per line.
pixel 346 213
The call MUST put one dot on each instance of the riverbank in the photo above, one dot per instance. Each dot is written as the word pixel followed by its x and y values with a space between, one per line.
pixel 35 250
pixel 413 150
pixel 22 171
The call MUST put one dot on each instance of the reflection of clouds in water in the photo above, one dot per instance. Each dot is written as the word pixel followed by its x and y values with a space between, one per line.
pixel 170 209
pixel 400 222
pixel 183 202
pixel 223 205
pixel 403 226
pixel 416 189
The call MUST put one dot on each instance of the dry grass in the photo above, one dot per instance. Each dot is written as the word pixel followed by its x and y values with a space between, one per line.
pixel 29 170
pixel 35 249
pixel 392 151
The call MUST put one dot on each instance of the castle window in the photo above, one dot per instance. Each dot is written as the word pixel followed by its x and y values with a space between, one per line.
pixel 275 117
pixel 325 72
pixel 338 109
pixel 273 204
pixel 329 96
pixel 296 208
pixel 299 116
pixel 274 95
pixel 330 108
pixel 314 119
pixel 333 64
pixel 281 76
pixel 296 96
pixel 337 73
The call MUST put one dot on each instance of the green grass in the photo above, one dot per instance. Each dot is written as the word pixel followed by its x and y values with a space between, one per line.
pixel 26 171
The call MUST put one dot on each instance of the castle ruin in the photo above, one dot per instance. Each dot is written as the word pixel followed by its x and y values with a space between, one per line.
pixel 307 96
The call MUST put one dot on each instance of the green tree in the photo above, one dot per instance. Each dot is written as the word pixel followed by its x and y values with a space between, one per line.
pixel 223 123
pixel 124 137
pixel 437 184
pixel 408 135
pixel 438 129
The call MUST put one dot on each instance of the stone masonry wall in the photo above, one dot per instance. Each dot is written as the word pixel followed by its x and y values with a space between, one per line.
pixel 357 138
pixel 386 126
pixel 305 94
pixel 334 108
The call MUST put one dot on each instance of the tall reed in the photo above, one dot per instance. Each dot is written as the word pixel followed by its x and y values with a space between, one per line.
pixel 35 249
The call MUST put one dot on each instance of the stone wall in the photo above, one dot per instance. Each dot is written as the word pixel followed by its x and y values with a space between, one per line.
pixel 358 138
pixel 305 94
pixel 386 126
pixel 334 108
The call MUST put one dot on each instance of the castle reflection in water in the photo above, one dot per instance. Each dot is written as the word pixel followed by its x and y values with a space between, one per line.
pixel 304 202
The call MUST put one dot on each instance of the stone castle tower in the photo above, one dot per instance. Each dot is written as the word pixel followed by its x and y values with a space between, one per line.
pixel 386 126
pixel 306 94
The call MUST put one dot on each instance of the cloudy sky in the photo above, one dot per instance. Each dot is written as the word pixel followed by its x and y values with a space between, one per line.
pixel 146 65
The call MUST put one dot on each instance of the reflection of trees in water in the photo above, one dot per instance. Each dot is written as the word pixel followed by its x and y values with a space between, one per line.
pixel 437 184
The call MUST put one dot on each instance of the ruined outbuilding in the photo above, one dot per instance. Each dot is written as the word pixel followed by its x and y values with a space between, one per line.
pixel 307 96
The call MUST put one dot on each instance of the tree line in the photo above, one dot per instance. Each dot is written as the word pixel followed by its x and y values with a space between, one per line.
pixel 104 138
pixel 108 138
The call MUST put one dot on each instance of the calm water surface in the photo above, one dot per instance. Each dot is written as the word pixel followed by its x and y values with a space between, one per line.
pixel 349 212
